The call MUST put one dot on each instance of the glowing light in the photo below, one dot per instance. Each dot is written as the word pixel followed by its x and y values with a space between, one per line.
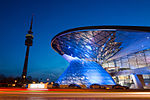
pixel 13 84
pixel 86 55
pixel 37 86
pixel 33 82
pixel 47 79
pixel 69 58
pixel 89 47
pixel 24 76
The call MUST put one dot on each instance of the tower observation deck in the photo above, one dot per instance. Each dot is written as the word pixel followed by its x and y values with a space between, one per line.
pixel 87 49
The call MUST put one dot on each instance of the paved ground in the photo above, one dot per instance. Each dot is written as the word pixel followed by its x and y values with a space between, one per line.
pixel 72 94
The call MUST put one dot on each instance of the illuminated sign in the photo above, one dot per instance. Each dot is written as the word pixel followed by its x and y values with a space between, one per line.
pixel 37 86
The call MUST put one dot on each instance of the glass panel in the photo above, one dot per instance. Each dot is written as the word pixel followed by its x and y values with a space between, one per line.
pixel 133 61
pixel 125 63
pixel 141 59
pixel 111 64
pixel 118 63
pixel 147 54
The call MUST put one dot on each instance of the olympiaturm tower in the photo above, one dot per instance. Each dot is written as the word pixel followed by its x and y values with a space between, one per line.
pixel 28 43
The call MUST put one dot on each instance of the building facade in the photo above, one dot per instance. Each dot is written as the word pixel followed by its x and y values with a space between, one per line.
pixel 117 52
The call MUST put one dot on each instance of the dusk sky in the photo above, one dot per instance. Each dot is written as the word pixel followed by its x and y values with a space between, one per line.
pixel 50 18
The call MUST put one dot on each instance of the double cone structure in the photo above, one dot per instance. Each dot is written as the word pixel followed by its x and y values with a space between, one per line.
pixel 88 48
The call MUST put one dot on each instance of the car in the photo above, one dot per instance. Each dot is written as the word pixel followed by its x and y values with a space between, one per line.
pixel 97 86
pixel 74 86
pixel 120 87
pixel 55 85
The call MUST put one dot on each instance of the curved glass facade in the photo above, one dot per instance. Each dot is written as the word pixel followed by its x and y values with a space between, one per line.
pixel 114 48
pixel 96 45
pixel 84 72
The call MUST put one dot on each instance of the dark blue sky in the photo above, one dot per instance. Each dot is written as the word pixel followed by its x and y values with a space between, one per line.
pixel 52 17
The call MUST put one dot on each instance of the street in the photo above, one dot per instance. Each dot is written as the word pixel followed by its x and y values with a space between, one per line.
pixel 70 94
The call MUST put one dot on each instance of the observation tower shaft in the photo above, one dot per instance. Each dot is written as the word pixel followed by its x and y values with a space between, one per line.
pixel 28 43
